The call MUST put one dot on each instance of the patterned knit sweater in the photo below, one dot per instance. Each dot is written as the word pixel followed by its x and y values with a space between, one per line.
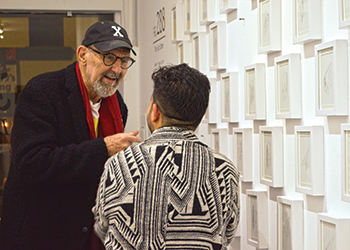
pixel 169 192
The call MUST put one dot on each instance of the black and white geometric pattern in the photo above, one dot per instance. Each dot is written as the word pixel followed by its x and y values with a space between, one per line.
pixel 169 192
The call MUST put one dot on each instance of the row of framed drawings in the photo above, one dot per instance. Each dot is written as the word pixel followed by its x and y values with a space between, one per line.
pixel 331 87
pixel 191 16
pixel 332 230
pixel 309 156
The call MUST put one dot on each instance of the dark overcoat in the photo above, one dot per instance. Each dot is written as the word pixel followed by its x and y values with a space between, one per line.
pixel 55 167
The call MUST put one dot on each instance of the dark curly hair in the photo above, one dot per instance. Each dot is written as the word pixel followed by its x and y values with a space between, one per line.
pixel 182 94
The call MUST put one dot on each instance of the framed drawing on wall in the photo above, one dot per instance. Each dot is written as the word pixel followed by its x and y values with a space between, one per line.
pixel 269 26
pixel 271 156
pixel 257 218
pixel 184 52
pixel 344 13
pixel 217 45
pixel 229 97
pixel 333 232
pixel 207 12
pixel 332 78
pixel 307 23
pixel 213 102
pixel 288 86
pixel 290 223
pixel 177 26
pixel 199 52
pixel 254 87
pixel 242 152
pixel 309 160
pixel 219 140
pixel 191 19
pixel 345 162
pixel 195 50
pixel 227 6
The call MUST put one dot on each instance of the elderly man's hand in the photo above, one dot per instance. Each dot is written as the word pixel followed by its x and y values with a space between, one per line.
pixel 118 142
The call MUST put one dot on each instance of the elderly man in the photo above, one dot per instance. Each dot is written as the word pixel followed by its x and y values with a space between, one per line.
pixel 171 191
pixel 66 125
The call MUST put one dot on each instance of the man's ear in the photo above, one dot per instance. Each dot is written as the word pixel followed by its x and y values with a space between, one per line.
pixel 81 54
pixel 155 115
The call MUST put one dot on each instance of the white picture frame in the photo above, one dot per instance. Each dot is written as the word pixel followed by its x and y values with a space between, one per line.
pixel 217 46
pixel 242 152
pixel 307 21
pixel 333 232
pixel 191 18
pixel 257 218
pixel 229 92
pixel 345 162
pixel 344 13
pixel 269 26
pixel 177 26
pixel 332 78
pixel 207 12
pixel 309 153
pixel 255 92
pixel 200 56
pixel 184 52
pixel 288 86
pixel 271 156
pixel 219 140
pixel 227 6
pixel 195 51
pixel 290 223
pixel 213 101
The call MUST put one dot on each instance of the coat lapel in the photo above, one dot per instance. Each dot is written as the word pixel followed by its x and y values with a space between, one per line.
pixel 76 104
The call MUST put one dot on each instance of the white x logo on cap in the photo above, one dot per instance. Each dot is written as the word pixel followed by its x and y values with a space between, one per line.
pixel 117 31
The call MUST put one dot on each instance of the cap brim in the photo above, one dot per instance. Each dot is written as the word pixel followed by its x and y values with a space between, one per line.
pixel 111 45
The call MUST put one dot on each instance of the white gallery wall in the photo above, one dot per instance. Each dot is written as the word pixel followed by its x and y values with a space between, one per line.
pixel 314 208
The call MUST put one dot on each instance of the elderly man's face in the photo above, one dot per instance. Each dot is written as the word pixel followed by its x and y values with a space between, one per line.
pixel 105 79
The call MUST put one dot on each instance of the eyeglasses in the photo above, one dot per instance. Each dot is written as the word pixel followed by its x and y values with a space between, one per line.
pixel 109 59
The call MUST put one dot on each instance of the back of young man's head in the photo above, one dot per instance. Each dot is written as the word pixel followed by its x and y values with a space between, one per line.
pixel 182 95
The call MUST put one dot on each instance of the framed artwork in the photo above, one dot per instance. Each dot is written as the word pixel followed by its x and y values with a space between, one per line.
pixel 271 156
pixel 195 51
pixel 345 162
pixel 344 13
pixel 269 26
pixel 177 26
pixel 203 134
pixel 309 160
pixel 191 20
pixel 213 102
pixel 217 45
pixel 200 55
pixel 288 86
pixel 333 232
pixel 307 20
pixel 290 223
pixel 242 152
pixel 144 130
pixel 257 218
pixel 184 52
pixel 227 6
pixel 219 140
pixel 207 12
pixel 332 78
pixel 254 87
pixel 229 97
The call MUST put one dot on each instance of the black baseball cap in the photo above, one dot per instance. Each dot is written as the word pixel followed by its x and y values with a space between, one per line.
pixel 107 36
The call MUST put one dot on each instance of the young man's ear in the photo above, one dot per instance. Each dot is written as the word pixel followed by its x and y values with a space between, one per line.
pixel 155 115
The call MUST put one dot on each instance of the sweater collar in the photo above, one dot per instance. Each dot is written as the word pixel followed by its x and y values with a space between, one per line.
pixel 173 133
